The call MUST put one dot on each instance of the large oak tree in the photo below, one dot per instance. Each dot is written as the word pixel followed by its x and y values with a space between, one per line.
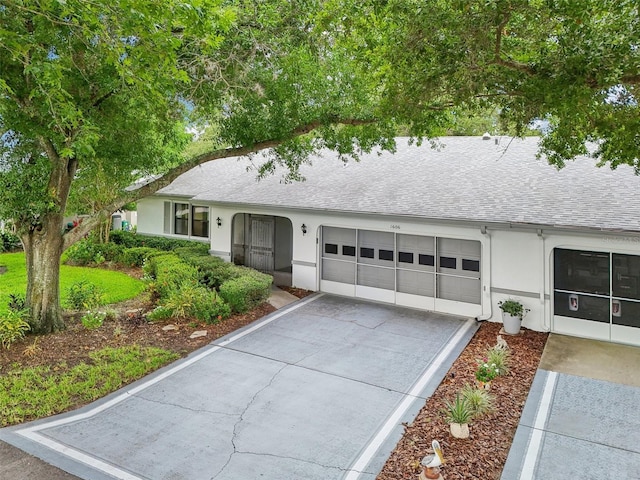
pixel 106 88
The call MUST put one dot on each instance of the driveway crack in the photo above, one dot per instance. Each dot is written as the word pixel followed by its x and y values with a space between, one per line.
pixel 241 419
pixel 183 407
pixel 303 460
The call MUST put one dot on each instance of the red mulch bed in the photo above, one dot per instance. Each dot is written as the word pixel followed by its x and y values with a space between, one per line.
pixel 483 455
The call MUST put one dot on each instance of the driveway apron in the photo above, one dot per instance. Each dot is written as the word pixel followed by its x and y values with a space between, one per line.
pixel 317 390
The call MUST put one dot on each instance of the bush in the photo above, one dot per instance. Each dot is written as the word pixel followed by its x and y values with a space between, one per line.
pixel 13 326
pixel 499 357
pixel 198 250
pixel 213 271
pixel 17 302
pixel 136 256
pixel 88 251
pixel 84 295
pixel 93 320
pixel 131 240
pixel 192 301
pixel 169 273
pixel 9 242
pixel 210 307
pixel 247 291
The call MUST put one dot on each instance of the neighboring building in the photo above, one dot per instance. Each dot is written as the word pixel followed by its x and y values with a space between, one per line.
pixel 454 229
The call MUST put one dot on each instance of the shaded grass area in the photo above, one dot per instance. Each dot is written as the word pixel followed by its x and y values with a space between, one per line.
pixel 30 393
pixel 116 286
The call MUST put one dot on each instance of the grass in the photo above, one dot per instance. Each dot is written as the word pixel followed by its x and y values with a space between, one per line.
pixel 36 392
pixel 116 286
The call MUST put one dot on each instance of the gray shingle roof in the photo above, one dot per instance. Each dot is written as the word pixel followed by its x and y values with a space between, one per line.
pixel 468 179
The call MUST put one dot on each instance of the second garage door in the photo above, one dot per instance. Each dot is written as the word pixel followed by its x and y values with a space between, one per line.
pixel 434 273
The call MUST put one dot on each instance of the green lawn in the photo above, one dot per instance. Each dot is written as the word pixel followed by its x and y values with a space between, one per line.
pixel 116 286
pixel 36 392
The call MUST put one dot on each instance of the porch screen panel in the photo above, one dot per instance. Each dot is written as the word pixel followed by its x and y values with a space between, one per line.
pixel 458 265
pixel 581 284
pixel 376 259
pixel 376 248
pixel 459 289
pixel 370 276
pixel 339 254
pixel 335 271
pixel 416 283
pixel 415 264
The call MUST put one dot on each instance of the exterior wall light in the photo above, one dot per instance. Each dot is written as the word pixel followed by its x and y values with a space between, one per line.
pixel 219 222
pixel 304 229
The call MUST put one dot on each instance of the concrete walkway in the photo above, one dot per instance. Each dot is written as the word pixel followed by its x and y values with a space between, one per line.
pixel 581 416
pixel 316 390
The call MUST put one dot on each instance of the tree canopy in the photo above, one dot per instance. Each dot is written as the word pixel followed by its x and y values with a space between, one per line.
pixel 572 64
pixel 103 91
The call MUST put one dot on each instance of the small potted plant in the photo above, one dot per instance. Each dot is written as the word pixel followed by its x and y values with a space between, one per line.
pixel 512 313
pixel 458 414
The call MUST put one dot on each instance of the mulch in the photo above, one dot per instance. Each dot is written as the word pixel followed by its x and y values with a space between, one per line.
pixel 484 453
pixel 482 456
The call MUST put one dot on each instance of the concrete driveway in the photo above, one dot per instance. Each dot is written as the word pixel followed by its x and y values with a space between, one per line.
pixel 317 390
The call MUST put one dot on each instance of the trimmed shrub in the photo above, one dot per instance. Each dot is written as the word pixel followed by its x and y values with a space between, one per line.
pixel 136 256
pixel 84 295
pixel 213 271
pixel 192 301
pixel 246 291
pixel 169 274
pixel 192 251
pixel 89 252
pixel 131 239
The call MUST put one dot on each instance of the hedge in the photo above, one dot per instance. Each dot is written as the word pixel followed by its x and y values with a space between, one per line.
pixel 247 291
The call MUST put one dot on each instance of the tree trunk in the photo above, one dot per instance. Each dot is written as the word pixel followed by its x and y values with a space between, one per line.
pixel 43 248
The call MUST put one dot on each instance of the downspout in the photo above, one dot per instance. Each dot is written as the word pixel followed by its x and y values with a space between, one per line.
pixel 545 327
pixel 487 316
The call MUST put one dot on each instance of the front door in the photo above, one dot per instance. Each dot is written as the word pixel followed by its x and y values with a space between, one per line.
pixel 261 247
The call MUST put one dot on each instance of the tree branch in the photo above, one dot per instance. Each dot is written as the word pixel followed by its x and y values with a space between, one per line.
pixel 497 54
pixel 153 186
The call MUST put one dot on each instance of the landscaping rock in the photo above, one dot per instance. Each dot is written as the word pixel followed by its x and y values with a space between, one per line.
pixel 198 333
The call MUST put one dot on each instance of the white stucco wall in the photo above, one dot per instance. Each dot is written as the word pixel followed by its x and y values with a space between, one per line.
pixel 516 262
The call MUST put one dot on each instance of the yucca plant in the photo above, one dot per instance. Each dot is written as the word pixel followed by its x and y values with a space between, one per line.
pixel 457 411
pixel 478 401
pixel 500 357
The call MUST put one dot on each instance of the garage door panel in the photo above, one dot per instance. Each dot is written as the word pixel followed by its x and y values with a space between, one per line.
pixel 338 271
pixel 416 283
pixel 371 276
pixel 459 289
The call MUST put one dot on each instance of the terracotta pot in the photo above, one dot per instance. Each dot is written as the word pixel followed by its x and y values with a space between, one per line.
pixel 459 430
pixel 483 385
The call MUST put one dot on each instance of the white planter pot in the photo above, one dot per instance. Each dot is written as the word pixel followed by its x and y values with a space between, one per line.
pixel 459 430
pixel 511 324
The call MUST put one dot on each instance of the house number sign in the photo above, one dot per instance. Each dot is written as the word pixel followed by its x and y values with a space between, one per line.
pixel 395 227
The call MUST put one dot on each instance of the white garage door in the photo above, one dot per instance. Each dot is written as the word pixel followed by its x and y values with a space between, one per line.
pixel 435 273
